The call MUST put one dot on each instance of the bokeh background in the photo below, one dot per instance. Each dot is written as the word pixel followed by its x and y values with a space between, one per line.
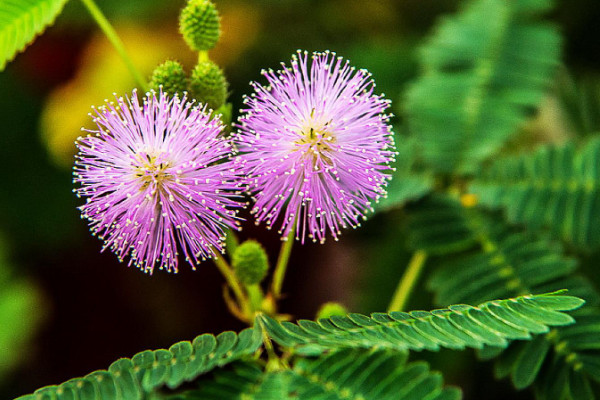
pixel 66 309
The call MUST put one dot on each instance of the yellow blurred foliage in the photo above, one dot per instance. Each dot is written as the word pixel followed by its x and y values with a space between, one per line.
pixel 103 73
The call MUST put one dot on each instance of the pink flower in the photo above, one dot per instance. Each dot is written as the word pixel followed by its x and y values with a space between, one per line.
pixel 315 146
pixel 157 178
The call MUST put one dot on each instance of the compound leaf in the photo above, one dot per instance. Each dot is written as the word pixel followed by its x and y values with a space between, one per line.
pixel 21 21
pixel 456 327
pixel 556 188
pixel 502 261
pixel 484 70
pixel 147 371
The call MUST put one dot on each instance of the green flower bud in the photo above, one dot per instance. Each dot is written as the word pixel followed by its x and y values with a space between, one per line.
pixel 208 84
pixel 200 24
pixel 330 309
pixel 250 262
pixel 171 76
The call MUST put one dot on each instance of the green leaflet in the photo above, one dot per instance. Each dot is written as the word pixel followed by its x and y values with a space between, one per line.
pixel 345 374
pixel 580 99
pixel 457 327
pixel 129 379
pixel 555 188
pixel 21 21
pixel 484 69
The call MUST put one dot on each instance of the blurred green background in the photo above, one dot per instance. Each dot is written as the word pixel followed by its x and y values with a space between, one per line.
pixel 66 309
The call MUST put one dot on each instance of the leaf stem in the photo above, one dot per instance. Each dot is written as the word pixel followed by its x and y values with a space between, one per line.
pixel 114 39
pixel 203 56
pixel 232 281
pixel 274 363
pixel 255 297
pixel 408 281
pixel 282 262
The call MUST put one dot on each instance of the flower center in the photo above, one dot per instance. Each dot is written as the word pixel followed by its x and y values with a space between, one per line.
pixel 315 141
pixel 152 170
pixel 316 144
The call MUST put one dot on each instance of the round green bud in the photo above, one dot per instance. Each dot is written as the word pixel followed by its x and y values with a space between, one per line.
pixel 330 309
pixel 250 262
pixel 200 24
pixel 171 76
pixel 208 84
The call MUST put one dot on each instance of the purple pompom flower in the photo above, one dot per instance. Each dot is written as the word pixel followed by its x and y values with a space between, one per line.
pixel 315 145
pixel 157 177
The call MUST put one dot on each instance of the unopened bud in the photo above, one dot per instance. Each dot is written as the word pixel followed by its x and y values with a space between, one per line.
pixel 200 24
pixel 171 76
pixel 250 262
pixel 208 84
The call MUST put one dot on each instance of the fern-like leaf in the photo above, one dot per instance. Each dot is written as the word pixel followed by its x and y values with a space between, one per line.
pixel 243 381
pixel 456 327
pixel 566 376
pixel 500 261
pixel 478 256
pixel 21 21
pixel 239 380
pixel 345 374
pixel 130 379
pixel 503 261
pixel 555 188
pixel 368 374
pixel 580 100
pixel 484 69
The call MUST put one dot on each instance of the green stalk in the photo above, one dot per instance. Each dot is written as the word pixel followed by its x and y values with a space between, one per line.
pixel 232 281
pixel 255 296
pixel 203 56
pixel 282 262
pixel 114 39
pixel 408 281
pixel 274 363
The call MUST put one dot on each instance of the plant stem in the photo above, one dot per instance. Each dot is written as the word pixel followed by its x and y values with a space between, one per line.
pixel 255 297
pixel 274 362
pixel 114 39
pixel 232 281
pixel 203 56
pixel 282 262
pixel 408 281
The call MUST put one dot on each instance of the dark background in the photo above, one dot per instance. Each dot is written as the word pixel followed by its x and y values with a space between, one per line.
pixel 91 310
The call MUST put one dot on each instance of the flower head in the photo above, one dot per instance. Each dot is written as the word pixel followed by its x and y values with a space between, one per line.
pixel 315 145
pixel 157 178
